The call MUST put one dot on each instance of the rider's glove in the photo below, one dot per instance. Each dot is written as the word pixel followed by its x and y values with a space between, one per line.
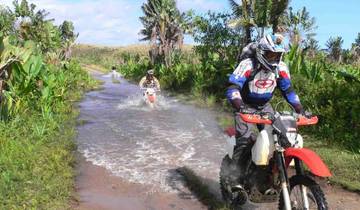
pixel 299 109
pixel 306 114
pixel 238 104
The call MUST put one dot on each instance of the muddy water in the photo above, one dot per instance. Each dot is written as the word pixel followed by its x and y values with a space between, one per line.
pixel 131 151
pixel 144 145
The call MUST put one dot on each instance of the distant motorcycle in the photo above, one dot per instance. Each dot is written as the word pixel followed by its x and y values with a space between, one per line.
pixel 149 96
pixel 266 177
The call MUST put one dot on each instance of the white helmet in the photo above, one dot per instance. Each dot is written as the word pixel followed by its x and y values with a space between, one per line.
pixel 270 50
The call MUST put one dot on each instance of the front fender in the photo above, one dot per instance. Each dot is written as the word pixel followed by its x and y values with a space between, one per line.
pixel 310 158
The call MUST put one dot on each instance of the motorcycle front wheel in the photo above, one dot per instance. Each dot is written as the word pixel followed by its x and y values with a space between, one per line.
pixel 305 193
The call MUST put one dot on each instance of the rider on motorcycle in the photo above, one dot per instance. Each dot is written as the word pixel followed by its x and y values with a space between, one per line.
pixel 252 85
pixel 149 81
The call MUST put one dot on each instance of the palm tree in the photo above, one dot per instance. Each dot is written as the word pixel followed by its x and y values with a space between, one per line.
pixel 163 28
pixel 243 18
pixel 300 26
pixel 278 15
pixel 334 47
pixel 355 48
pixel 312 47
pixel 258 15
pixel 68 38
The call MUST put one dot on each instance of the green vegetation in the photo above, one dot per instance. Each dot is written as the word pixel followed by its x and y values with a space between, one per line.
pixel 344 165
pixel 327 81
pixel 38 85
pixel 36 153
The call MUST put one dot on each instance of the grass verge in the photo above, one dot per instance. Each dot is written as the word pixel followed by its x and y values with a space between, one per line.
pixel 344 165
pixel 36 154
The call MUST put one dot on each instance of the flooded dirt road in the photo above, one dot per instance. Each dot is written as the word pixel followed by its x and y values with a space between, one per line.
pixel 131 153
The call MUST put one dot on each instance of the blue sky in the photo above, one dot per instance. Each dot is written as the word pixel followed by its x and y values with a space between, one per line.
pixel 115 22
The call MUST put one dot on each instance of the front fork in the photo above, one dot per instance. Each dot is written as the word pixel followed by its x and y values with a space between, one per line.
pixel 284 181
pixel 300 171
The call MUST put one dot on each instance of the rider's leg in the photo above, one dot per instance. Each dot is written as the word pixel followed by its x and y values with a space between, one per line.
pixel 244 139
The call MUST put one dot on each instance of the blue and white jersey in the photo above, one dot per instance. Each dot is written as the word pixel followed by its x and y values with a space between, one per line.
pixel 256 87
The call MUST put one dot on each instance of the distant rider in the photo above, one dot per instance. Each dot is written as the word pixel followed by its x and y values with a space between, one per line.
pixel 149 81
pixel 252 85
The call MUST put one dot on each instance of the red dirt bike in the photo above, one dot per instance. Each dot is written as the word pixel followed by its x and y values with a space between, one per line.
pixel 266 175
pixel 150 96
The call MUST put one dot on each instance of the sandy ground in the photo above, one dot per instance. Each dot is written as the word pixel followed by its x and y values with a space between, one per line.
pixel 97 189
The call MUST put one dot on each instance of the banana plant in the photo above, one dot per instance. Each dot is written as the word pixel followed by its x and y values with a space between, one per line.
pixel 22 68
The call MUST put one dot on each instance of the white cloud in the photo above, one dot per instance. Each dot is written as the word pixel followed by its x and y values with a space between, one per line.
pixel 108 22
pixel 201 5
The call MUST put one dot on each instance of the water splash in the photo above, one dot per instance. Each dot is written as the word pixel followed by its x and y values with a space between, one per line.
pixel 145 145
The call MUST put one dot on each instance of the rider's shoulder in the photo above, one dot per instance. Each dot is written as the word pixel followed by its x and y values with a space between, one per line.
pixel 244 66
pixel 283 66
pixel 248 63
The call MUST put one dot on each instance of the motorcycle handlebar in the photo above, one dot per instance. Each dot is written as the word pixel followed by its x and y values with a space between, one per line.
pixel 268 118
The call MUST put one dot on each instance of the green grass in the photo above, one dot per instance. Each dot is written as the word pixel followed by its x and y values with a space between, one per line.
pixel 36 155
pixel 344 165
pixel 112 56
pixel 93 67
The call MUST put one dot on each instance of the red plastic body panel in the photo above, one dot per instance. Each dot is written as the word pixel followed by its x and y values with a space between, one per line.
pixel 310 158
pixel 254 118
pixel 307 121
pixel 152 98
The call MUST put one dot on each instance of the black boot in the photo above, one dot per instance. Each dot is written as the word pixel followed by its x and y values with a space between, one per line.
pixel 242 155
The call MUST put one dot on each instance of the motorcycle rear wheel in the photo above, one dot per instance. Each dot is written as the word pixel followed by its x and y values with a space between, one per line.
pixel 314 193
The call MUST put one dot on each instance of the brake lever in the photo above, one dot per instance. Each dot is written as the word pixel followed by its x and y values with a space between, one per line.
pixel 305 114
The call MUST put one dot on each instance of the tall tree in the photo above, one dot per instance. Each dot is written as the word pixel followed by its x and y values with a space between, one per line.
pixel 334 47
pixel 312 47
pixel 68 38
pixel 355 48
pixel 163 27
pixel 258 15
pixel 300 26
pixel 7 20
pixel 33 25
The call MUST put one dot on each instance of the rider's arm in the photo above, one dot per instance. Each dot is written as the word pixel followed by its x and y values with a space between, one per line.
pixel 284 83
pixel 142 82
pixel 237 80
pixel 241 73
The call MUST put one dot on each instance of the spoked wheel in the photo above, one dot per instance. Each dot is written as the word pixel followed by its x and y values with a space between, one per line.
pixel 234 199
pixel 305 194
